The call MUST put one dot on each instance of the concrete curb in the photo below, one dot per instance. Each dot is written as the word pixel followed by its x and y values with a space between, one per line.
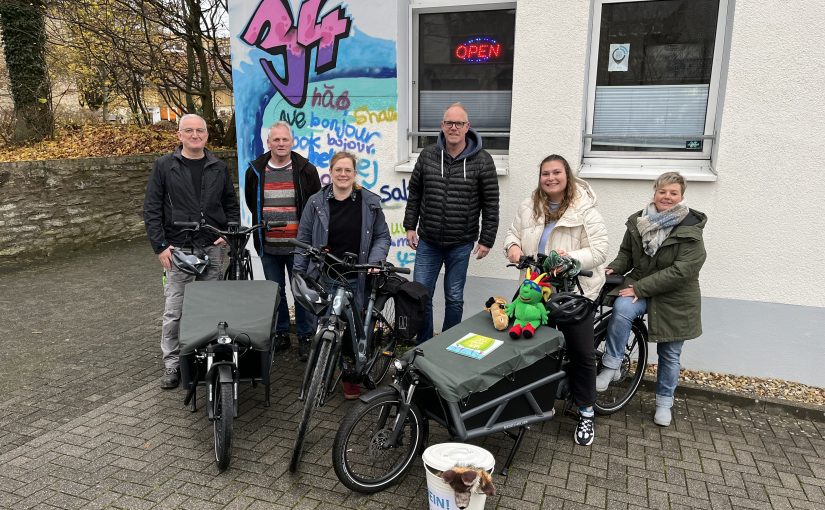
pixel 772 406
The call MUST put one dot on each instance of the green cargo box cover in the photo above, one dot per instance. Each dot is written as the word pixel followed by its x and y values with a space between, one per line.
pixel 246 306
pixel 457 377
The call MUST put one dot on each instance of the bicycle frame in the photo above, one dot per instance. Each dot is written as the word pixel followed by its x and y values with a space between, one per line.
pixel 342 307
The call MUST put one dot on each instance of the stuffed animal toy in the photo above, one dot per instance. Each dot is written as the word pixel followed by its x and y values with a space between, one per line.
pixel 528 310
pixel 495 305
pixel 466 481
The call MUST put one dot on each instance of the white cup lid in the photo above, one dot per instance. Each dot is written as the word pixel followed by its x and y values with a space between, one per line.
pixel 444 456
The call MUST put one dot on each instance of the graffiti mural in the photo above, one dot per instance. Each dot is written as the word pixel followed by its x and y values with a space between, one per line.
pixel 328 68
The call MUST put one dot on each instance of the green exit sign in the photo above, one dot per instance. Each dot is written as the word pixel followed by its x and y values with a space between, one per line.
pixel 693 144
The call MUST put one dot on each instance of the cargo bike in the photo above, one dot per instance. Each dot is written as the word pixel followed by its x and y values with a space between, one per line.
pixel 511 388
pixel 225 336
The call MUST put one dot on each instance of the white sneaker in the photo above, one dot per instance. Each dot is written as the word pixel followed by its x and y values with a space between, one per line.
pixel 605 377
pixel 663 416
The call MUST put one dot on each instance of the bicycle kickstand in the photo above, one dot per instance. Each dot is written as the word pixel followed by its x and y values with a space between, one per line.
pixel 517 438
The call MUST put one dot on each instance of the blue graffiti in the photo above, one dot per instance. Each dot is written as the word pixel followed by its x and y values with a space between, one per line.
pixel 368 172
pixel 344 129
pixel 398 193
pixel 405 258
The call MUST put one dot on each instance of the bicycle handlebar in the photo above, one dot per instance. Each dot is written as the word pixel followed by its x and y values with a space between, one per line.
pixel 321 256
pixel 195 226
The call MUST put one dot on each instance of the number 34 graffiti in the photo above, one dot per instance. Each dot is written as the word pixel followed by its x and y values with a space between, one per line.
pixel 272 28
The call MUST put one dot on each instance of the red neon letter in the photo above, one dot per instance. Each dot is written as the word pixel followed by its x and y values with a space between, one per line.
pixel 461 51
pixel 482 51
pixel 472 51
pixel 495 50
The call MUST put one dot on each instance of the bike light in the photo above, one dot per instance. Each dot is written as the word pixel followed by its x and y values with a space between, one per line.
pixel 398 364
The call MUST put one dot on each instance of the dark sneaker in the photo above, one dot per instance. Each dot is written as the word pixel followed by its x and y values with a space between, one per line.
pixel 351 390
pixel 170 378
pixel 584 433
pixel 282 342
pixel 303 348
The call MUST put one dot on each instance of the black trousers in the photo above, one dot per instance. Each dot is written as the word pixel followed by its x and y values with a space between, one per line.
pixel 582 367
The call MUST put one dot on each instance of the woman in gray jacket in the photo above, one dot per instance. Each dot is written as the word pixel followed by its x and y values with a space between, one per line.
pixel 344 217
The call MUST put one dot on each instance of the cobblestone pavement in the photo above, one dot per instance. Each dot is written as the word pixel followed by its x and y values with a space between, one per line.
pixel 83 424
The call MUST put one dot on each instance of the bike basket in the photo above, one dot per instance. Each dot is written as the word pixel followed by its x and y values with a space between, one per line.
pixel 411 299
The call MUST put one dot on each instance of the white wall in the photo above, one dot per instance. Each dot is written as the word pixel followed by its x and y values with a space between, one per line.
pixel 764 238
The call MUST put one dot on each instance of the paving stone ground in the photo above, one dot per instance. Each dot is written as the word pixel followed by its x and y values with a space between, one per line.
pixel 83 424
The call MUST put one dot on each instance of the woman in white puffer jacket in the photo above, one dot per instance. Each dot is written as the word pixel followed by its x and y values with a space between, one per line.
pixel 561 215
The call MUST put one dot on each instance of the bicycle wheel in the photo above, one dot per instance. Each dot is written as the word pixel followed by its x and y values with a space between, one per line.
pixel 223 394
pixel 361 457
pixel 311 398
pixel 632 370
pixel 384 342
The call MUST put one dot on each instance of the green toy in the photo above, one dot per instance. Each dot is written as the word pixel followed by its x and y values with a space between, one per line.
pixel 528 309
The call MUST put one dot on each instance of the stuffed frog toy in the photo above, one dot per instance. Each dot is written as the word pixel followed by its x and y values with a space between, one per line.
pixel 528 308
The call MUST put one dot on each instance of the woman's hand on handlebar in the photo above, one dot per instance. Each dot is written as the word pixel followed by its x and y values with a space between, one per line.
pixel 514 254
pixel 607 271
pixel 219 241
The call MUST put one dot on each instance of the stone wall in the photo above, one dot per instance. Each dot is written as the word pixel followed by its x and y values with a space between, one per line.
pixel 51 207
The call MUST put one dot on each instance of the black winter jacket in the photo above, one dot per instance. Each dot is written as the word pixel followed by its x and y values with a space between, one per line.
pixel 304 176
pixel 170 197
pixel 446 196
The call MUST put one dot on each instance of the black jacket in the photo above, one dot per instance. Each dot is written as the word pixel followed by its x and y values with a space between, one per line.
pixel 446 196
pixel 304 176
pixel 170 197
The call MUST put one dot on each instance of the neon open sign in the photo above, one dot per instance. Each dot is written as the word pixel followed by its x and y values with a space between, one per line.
pixel 478 49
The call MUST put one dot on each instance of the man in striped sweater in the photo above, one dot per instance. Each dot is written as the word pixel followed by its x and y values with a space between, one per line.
pixel 277 186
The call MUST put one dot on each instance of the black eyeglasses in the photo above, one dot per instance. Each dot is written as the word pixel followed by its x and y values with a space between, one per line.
pixel 453 124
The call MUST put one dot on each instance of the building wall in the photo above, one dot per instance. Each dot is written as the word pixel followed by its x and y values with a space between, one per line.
pixel 764 249
pixel 764 209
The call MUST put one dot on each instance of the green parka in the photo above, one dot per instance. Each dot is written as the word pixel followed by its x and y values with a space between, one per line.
pixel 669 280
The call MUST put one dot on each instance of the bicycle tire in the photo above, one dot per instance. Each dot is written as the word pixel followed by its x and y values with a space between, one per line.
pixel 632 370
pixel 384 341
pixel 360 458
pixel 222 424
pixel 311 397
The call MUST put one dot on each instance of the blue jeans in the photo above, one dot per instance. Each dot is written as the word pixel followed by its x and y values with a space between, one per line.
pixel 618 331
pixel 274 266
pixel 428 261
pixel 667 374
pixel 619 327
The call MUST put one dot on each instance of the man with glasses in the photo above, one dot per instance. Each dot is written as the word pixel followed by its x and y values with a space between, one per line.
pixel 453 183
pixel 190 184
pixel 276 187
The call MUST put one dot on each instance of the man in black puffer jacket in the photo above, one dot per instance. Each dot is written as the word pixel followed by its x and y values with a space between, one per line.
pixel 453 183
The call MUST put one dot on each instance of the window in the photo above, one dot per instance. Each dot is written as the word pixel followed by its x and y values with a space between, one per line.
pixel 463 56
pixel 654 79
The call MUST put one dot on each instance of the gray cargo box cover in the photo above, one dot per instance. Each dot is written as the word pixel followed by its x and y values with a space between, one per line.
pixel 246 306
pixel 457 376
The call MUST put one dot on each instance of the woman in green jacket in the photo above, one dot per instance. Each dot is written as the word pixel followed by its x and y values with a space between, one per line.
pixel 661 255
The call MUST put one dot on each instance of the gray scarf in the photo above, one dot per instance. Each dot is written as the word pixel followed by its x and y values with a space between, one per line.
pixel 656 226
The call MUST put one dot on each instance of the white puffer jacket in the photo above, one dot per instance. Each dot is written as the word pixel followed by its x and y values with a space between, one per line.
pixel 580 232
